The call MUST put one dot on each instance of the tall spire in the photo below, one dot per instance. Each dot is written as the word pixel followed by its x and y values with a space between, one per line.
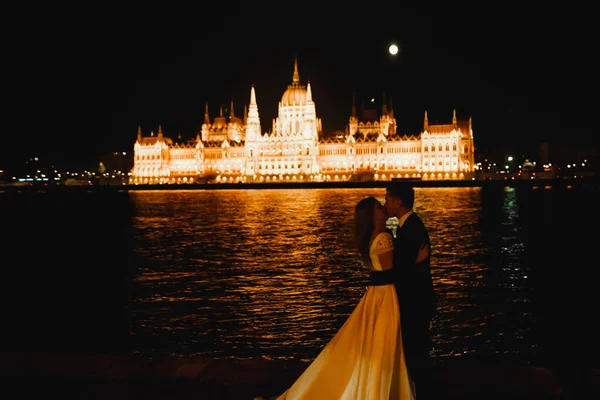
pixel 245 113
pixel 206 116
pixel 221 112
pixel 391 108
pixel 308 93
pixel 426 122
pixel 139 135
pixel 454 117
pixel 160 133
pixel 471 127
pixel 231 114
pixel 296 77
pixel 253 117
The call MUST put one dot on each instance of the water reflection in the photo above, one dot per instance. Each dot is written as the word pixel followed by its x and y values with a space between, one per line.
pixel 272 273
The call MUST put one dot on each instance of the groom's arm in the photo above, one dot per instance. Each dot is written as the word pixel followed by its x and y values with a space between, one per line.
pixel 417 237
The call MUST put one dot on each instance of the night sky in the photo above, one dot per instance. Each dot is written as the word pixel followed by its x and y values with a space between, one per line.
pixel 82 80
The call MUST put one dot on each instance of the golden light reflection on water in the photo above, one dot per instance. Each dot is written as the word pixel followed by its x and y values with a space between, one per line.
pixel 272 273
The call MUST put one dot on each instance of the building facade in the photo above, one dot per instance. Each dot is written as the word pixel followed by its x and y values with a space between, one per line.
pixel 232 149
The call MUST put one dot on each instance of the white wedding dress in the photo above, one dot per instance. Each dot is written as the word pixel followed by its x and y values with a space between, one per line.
pixel 365 358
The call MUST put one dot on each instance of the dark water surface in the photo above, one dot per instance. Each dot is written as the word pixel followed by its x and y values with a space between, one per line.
pixel 271 273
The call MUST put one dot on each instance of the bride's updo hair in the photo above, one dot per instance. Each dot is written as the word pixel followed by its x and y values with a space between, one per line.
pixel 363 226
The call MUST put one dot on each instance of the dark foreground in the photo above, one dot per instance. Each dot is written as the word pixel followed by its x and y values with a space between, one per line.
pixel 91 376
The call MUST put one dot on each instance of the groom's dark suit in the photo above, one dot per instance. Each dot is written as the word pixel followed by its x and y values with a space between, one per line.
pixel 416 296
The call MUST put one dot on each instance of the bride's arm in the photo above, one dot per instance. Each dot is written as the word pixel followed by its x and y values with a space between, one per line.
pixel 386 259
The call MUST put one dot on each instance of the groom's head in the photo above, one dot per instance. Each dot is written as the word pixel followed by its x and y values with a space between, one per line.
pixel 399 198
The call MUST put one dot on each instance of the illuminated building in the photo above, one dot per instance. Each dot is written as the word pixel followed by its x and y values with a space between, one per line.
pixel 232 149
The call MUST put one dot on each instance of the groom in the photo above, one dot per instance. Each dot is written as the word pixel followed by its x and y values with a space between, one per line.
pixel 414 285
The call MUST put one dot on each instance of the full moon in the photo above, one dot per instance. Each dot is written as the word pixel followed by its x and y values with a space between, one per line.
pixel 393 49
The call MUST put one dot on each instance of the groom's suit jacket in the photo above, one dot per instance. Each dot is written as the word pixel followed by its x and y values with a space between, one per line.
pixel 414 285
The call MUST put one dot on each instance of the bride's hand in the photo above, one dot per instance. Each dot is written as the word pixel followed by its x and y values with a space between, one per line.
pixel 423 253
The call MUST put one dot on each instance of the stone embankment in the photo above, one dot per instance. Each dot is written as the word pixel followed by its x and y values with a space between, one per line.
pixel 586 183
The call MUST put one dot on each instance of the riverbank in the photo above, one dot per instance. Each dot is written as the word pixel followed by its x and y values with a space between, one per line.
pixel 99 376
pixel 588 182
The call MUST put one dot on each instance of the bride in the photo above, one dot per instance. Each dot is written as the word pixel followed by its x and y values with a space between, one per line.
pixel 365 358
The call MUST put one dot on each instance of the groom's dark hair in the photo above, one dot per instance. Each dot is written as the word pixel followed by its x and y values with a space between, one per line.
pixel 404 191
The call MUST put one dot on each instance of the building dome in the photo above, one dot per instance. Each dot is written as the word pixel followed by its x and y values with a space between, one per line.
pixel 295 94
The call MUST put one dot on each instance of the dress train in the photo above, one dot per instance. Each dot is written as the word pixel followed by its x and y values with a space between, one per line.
pixel 364 360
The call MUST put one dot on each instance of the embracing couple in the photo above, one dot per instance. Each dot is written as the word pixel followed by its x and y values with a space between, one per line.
pixel 383 349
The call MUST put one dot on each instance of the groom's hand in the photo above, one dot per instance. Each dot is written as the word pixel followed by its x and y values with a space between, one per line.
pixel 423 253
